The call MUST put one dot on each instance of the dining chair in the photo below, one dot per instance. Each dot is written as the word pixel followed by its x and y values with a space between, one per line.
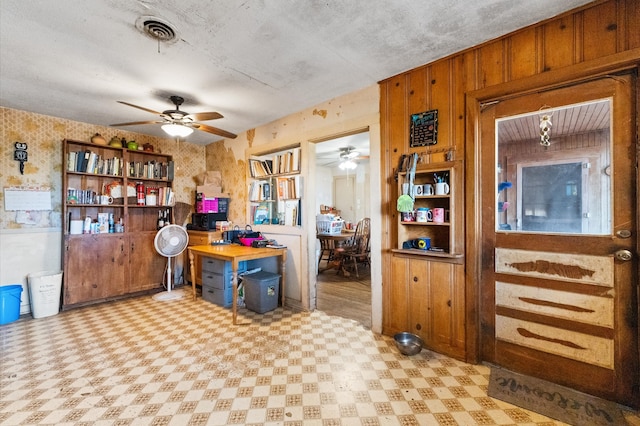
pixel 359 250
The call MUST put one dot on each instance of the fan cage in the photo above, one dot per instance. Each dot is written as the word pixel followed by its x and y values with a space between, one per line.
pixel 171 240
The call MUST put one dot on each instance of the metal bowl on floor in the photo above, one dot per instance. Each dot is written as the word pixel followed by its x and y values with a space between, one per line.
pixel 408 343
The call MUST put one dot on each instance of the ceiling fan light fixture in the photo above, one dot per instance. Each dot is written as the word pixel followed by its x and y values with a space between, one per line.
pixel 348 165
pixel 177 130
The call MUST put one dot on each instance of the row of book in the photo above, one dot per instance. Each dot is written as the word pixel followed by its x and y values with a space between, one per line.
pixel 280 163
pixel 94 163
pixel 150 170
pixel 288 188
pixel 91 162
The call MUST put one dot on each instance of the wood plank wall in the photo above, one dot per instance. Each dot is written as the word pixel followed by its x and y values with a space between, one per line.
pixel 568 42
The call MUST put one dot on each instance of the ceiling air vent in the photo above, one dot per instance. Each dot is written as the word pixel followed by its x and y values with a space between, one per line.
pixel 157 28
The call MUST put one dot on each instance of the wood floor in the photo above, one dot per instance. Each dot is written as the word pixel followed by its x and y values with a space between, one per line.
pixel 347 297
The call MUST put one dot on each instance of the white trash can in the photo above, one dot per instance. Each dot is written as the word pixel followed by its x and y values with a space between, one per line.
pixel 44 293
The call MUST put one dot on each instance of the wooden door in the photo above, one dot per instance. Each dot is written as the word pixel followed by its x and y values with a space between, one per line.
pixel 344 196
pixel 147 267
pixel 94 268
pixel 558 294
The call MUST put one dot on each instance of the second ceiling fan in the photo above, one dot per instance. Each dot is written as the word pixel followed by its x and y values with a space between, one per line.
pixel 179 123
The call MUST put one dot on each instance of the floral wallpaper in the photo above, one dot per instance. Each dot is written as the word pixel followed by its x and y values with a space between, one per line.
pixel 43 136
pixel 233 179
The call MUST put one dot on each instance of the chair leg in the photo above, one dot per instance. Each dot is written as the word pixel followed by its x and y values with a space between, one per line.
pixel 355 266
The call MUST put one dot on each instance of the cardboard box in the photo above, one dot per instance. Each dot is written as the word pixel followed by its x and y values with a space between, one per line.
pixel 212 191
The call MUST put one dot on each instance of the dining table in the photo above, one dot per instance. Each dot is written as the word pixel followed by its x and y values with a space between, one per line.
pixel 337 241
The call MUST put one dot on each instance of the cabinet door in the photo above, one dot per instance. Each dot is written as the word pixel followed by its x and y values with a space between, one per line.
pixel 147 267
pixel 396 311
pixel 420 299
pixel 94 268
pixel 442 279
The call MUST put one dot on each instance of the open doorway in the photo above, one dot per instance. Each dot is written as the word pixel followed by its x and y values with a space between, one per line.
pixel 342 183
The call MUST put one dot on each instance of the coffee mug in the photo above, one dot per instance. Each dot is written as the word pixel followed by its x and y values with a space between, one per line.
pixel 442 188
pixel 151 199
pixel 423 214
pixel 427 189
pixel 417 190
pixel 438 215
pixel 408 216
pixel 105 200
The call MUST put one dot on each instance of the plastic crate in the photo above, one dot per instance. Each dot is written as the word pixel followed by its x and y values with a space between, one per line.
pixel 261 291
pixel 332 227
pixel 217 296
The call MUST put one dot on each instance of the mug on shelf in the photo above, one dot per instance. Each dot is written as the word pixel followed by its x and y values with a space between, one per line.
pixel 427 189
pixel 151 199
pixel 106 200
pixel 417 190
pixel 442 188
pixel 409 216
pixel 438 215
pixel 423 215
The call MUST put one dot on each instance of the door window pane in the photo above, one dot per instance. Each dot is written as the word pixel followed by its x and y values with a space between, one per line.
pixel 553 170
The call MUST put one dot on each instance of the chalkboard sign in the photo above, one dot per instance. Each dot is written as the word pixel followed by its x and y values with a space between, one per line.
pixel 424 128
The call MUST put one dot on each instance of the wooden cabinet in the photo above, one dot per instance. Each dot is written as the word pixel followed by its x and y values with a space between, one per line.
pixel 432 191
pixel 426 293
pixel 111 202
pixel 95 267
pixel 426 298
pixel 198 238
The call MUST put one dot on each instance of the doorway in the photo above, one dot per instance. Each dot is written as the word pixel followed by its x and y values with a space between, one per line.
pixel 558 231
pixel 347 190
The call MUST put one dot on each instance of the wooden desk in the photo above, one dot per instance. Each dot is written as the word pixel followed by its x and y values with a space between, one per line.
pixel 235 254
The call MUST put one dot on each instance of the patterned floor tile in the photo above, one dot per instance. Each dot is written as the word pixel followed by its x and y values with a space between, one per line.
pixel 147 362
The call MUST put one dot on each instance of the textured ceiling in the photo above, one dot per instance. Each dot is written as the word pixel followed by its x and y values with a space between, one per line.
pixel 252 61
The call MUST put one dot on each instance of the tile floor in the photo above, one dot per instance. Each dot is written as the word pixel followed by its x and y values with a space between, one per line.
pixel 147 362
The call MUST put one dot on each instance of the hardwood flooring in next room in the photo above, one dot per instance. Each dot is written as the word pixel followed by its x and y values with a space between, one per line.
pixel 347 297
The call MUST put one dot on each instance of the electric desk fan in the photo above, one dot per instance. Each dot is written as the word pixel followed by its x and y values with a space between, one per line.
pixel 170 241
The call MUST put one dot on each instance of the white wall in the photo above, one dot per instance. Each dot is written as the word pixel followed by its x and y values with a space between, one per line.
pixel 28 251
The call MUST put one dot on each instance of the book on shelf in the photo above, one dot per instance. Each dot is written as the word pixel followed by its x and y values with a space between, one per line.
pixel 289 187
pixel 280 163
pixel 292 212
pixel 261 214
pixel 260 190
pixel 151 169
pixel 91 162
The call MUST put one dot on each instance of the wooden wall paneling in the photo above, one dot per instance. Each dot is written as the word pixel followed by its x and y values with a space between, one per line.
pixel 600 32
pixel 630 15
pixel 526 60
pixel 491 64
pixel 418 94
pixel 558 43
pixel 522 54
pixel 440 86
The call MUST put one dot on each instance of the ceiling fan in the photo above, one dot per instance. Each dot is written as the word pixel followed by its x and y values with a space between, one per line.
pixel 345 159
pixel 177 123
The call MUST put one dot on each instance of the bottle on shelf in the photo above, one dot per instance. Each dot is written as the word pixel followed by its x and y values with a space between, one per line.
pixel 160 219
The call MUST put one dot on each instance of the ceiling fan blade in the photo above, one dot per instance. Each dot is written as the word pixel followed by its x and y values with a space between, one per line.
pixel 205 116
pixel 139 107
pixel 214 130
pixel 135 123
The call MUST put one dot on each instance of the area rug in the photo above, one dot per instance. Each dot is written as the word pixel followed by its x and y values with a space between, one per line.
pixel 552 400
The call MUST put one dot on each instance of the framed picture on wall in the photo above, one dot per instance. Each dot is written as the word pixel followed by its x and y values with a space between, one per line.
pixel 423 129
